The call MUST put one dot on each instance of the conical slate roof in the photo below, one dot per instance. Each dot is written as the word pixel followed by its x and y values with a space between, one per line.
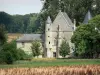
pixel 48 20
pixel 88 16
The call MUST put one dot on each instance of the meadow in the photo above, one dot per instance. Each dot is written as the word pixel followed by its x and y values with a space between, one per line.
pixel 52 67
pixel 44 62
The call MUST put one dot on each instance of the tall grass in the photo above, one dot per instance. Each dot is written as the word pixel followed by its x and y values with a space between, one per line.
pixel 58 70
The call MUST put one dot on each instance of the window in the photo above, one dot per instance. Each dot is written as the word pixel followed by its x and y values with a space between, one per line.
pixel 49 42
pixel 73 28
pixel 48 29
pixel 54 54
pixel 54 42
pixel 23 44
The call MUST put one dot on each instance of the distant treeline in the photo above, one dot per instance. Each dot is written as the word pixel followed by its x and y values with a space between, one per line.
pixel 28 23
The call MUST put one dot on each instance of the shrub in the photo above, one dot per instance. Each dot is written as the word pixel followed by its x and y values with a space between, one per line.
pixel 9 53
pixel 21 54
pixel 64 48
pixel 9 58
pixel 36 51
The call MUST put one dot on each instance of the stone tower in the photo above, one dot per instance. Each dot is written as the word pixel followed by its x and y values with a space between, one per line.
pixel 48 37
pixel 61 28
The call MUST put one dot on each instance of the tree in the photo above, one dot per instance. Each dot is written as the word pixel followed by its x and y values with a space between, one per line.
pixel 36 51
pixel 21 54
pixel 8 58
pixel 81 48
pixel 87 38
pixel 96 22
pixel 20 23
pixel 5 20
pixel 2 35
pixel 9 53
pixel 64 48
pixel 33 24
pixel 84 38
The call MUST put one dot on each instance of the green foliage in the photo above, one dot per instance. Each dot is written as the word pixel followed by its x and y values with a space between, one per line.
pixel 87 39
pixel 21 54
pixel 28 57
pixel 82 47
pixel 8 58
pixel 9 53
pixel 20 23
pixel 52 62
pixel 64 48
pixel 75 9
pixel 2 35
pixel 33 24
pixel 5 18
pixel 36 51
pixel 95 21
pixel 24 24
pixel 10 49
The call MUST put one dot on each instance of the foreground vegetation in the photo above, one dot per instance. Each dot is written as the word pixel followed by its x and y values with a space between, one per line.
pixel 63 70
pixel 52 62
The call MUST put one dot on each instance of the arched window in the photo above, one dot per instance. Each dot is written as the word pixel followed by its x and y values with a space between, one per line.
pixel 49 42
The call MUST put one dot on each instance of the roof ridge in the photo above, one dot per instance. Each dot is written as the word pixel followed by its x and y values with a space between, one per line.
pixel 65 18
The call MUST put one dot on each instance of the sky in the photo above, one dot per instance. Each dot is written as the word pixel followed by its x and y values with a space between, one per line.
pixel 20 6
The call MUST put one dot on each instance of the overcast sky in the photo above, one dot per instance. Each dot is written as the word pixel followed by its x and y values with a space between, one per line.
pixel 20 6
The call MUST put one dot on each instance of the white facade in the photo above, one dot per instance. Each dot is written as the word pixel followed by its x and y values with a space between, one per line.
pixel 26 47
pixel 62 25
pixel 66 28
pixel 25 43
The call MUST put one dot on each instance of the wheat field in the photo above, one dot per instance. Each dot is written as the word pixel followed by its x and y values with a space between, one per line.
pixel 58 70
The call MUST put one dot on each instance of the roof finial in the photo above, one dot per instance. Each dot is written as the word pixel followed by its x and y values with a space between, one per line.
pixel 48 20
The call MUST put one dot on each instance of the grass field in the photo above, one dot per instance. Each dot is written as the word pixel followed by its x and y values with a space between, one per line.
pixel 52 62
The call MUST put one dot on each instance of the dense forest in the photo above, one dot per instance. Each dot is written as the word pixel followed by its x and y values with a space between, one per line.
pixel 28 23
